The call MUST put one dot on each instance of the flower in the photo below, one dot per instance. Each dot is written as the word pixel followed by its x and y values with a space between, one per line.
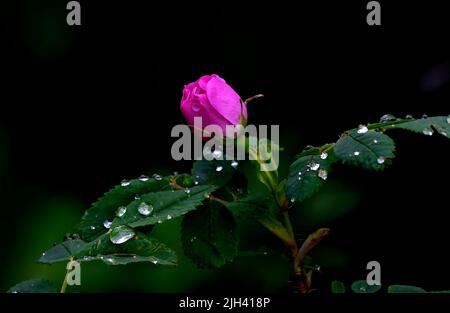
pixel 212 99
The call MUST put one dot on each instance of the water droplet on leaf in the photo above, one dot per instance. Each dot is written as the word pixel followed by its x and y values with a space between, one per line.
pixel 323 155
pixel 121 211
pixel 387 118
pixel 187 191
pixel 428 131
pixel 409 116
pixel 381 160
pixel 143 178
pixel 145 209
pixel 314 166
pixel 234 164
pixel 121 234
pixel 219 168
pixel 323 174
pixel 107 224
pixel 125 183
pixel 217 154
pixel 362 129
pixel 157 177
pixel 356 153
pixel 424 116
pixel 169 217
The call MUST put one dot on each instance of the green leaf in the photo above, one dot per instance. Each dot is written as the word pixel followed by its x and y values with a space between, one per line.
pixel 337 286
pixel 91 225
pixel 361 286
pixel 33 286
pixel 141 248
pixel 370 150
pixel 208 236
pixel 163 206
pixel 214 172
pixel 405 289
pixel 427 126
pixel 308 173
pixel 260 206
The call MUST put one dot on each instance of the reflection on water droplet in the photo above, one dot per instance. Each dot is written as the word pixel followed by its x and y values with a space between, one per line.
pixel 381 160
pixel 145 209
pixel 159 222
pixel 137 197
pixel 121 211
pixel 448 119
pixel 323 155
pixel 143 178
pixel 314 166
pixel 193 238
pixel 92 227
pixel 155 261
pixel 375 141
pixel 157 177
pixel 424 116
pixel 169 217
pixel 196 182
pixel 125 183
pixel 219 168
pixel 107 224
pixel 299 178
pixel 292 200
pixel 323 174
pixel 443 133
pixel 409 116
pixel 121 234
pixel 356 153
pixel 427 131
pixel 206 195
pixel 387 118
pixel 234 164
pixel 362 129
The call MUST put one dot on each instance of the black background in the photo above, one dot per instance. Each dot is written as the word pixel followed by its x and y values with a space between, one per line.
pixel 82 113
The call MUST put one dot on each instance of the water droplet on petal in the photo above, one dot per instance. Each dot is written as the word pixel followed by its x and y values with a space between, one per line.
pixel 125 183
pixel 323 155
pixel 145 209
pixel 428 131
pixel 107 224
pixel 219 168
pixel 323 174
pixel 381 160
pixel 121 234
pixel 143 178
pixel 387 118
pixel 121 211
pixel 356 153
pixel 234 164
pixel 157 177
pixel 362 129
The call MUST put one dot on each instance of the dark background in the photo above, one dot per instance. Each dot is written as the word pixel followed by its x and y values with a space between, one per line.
pixel 84 107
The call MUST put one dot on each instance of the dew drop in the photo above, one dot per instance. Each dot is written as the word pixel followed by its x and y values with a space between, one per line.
pixel 362 129
pixel 375 141
pixel 121 234
pixel 137 197
pixel 187 191
pixel 428 131
pixel 292 200
pixel 159 222
pixel 308 147
pixel 217 154
pixel 299 173
pixel 387 118
pixel 157 177
pixel 409 117
pixel 155 261
pixel 314 166
pixel 125 183
pixel 206 195
pixel 299 178
pixel 443 133
pixel 356 153
pixel 145 209
pixel 381 160
pixel 323 155
pixel 121 211
pixel 169 217
pixel 448 119
pixel 219 168
pixel 234 164
pixel 424 116
pixel 143 178
pixel 193 239
pixel 107 224
pixel 323 174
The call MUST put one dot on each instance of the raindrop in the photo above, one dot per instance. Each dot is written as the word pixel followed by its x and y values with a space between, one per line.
pixel 448 119
pixel 356 153
pixel 121 234
pixel 317 268
pixel 121 211
pixel 206 195
pixel 299 173
pixel 125 183
pixel 137 197
pixel 387 118
pixel 169 217
pixel 323 174
pixel 143 178
pixel 424 116
pixel 292 200
pixel 157 176
pixel 187 191
pixel 314 166
pixel 107 224
pixel 381 160
pixel 155 261
pixel 375 141
pixel 323 155
pixel 309 147
pixel 409 116
pixel 427 131
pixel 193 238
pixel 219 168
pixel 299 178
pixel 217 154
pixel 196 182
pixel 362 129
pixel 145 209
pixel 159 222
pixel 234 164
pixel 443 133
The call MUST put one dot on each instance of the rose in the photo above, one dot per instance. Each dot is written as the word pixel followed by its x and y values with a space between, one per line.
pixel 212 99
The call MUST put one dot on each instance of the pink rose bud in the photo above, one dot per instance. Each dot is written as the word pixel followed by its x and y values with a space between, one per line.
pixel 212 99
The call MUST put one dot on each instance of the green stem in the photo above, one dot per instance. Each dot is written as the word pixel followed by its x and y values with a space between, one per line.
pixel 64 284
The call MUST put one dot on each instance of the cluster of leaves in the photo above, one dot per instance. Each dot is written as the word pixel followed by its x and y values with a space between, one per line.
pixel 361 286
pixel 117 229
